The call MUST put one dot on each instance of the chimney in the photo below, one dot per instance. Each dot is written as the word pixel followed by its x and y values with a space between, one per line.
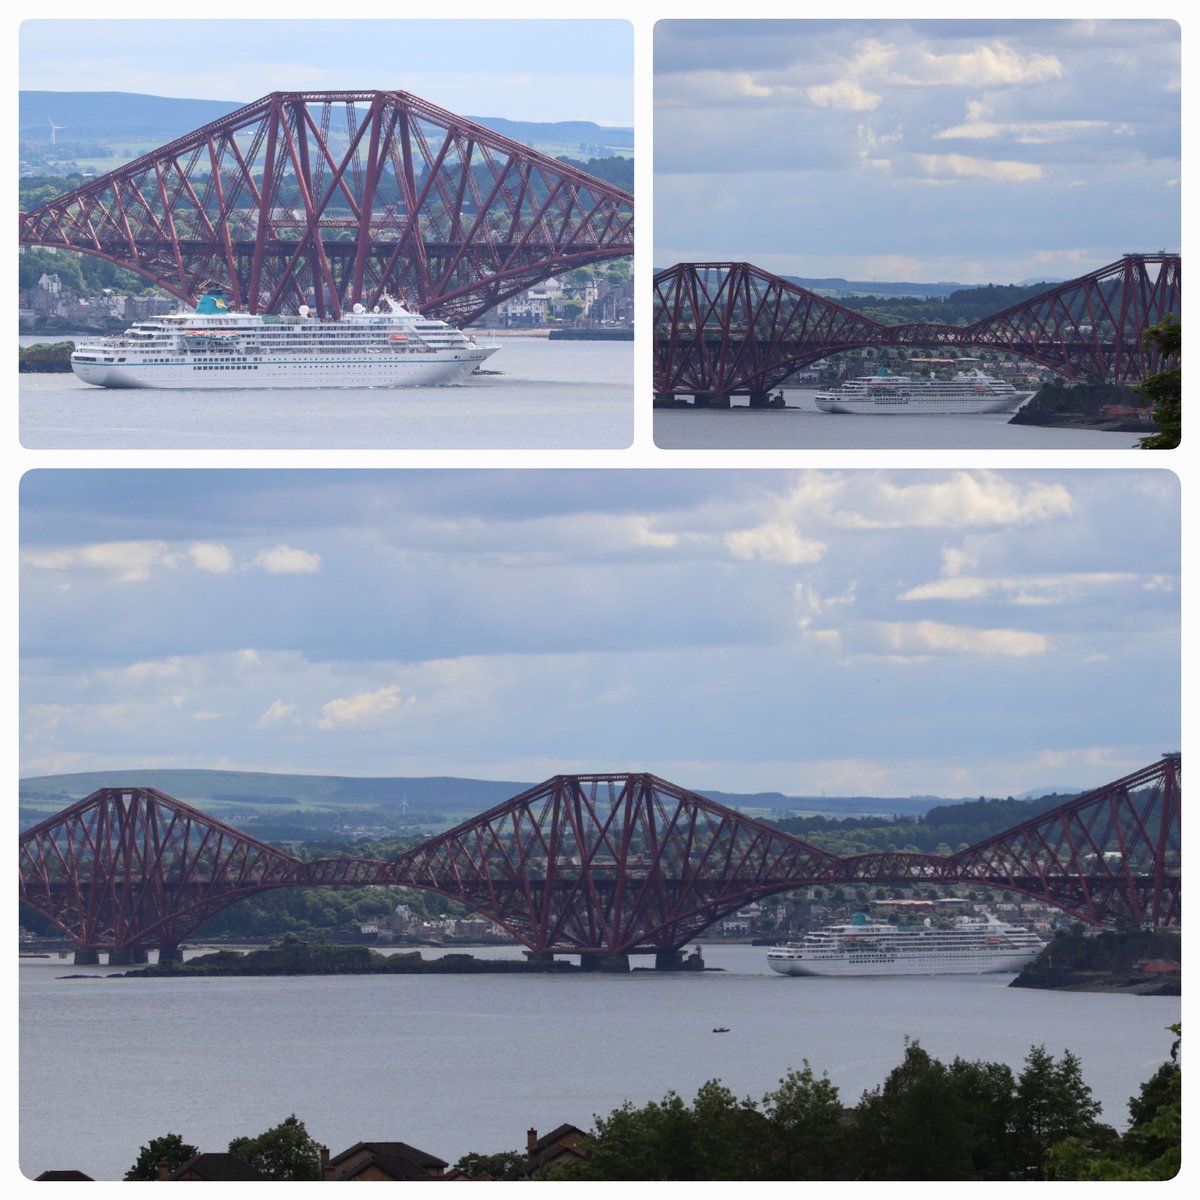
pixel 326 1171
pixel 530 1142
pixel 164 1172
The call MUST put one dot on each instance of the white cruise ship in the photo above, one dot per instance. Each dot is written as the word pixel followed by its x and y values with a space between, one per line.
pixel 968 947
pixel 968 392
pixel 215 348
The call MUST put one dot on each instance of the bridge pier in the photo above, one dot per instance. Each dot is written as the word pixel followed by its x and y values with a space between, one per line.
pixel 604 962
pixel 664 399
pixel 712 400
pixel 169 954
pixel 85 956
pixel 676 960
pixel 538 956
pixel 127 956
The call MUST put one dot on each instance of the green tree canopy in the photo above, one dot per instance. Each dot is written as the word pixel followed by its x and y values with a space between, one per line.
pixel 170 1149
pixel 1163 390
pixel 284 1151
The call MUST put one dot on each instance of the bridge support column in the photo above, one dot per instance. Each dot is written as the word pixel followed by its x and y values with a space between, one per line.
pixel 127 956
pixel 538 956
pixel 676 960
pixel 170 954
pixel 712 400
pixel 760 399
pixel 664 399
pixel 86 957
pixel 604 962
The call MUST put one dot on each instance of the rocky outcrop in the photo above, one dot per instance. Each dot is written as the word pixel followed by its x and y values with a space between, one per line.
pixel 1136 962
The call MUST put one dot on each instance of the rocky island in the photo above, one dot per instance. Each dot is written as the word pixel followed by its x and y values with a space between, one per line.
pixel 291 955
pixel 1132 962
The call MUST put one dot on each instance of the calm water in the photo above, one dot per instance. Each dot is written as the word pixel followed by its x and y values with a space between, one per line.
pixel 801 425
pixel 454 1064
pixel 546 395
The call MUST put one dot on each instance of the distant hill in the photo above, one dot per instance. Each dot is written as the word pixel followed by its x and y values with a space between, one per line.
pixel 831 806
pixel 122 115
pixel 433 794
pixel 833 288
pixel 121 118
pixel 213 790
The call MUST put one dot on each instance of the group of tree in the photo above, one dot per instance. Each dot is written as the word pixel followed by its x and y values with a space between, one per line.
pixel 80 274
pixel 929 1120
pixel 953 825
pixel 962 307
pixel 1163 390
pixel 284 1152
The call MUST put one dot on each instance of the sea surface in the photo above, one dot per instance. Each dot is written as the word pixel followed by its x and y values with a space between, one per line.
pixel 543 395
pixel 801 425
pixel 456 1064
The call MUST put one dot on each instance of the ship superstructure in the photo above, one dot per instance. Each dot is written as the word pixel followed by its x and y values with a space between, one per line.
pixel 216 348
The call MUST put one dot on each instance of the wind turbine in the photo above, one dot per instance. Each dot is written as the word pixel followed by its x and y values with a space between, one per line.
pixel 54 130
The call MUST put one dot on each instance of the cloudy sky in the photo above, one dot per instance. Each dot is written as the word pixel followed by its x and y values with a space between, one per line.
pixel 881 632
pixel 521 70
pixel 970 151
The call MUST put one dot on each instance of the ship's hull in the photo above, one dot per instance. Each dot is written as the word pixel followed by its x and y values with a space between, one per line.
pixel 831 403
pixel 439 370
pixel 947 963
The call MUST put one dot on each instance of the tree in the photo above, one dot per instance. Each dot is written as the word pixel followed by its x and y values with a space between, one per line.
pixel 170 1149
pixel 913 1127
pixel 283 1152
pixel 1152 1147
pixel 494 1165
pixel 807 1135
pixel 1053 1103
pixel 1163 389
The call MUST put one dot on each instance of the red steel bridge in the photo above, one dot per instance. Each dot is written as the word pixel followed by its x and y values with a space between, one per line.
pixel 723 329
pixel 602 866
pixel 333 198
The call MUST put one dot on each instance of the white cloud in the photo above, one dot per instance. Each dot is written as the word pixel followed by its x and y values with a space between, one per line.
pixel 129 562
pixel 844 94
pixel 810 604
pixel 774 543
pixel 286 560
pixel 960 166
pixel 973 499
pixel 1031 133
pixel 276 713
pixel 995 65
pixel 363 708
pixel 925 638
pixel 146 672
pixel 1018 589
pixel 211 557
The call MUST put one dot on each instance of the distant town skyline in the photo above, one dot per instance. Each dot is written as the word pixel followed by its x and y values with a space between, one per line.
pixel 973 151
pixel 852 632
pixel 525 70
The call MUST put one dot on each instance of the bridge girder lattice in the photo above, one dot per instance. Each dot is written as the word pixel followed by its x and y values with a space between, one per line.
pixel 335 198
pixel 733 328
pixel 589 864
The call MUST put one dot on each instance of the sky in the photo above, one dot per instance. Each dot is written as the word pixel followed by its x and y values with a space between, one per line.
pixel 523 70
pixel 840 632
pixel 982 151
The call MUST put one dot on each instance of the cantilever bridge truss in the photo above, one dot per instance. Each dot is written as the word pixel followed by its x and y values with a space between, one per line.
pixel 333 198
pixel 587 864
pixel 732 328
